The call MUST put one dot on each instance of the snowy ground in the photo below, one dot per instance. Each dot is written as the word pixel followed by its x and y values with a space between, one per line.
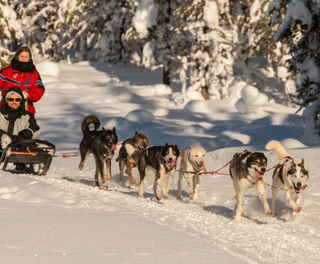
pixel 61 218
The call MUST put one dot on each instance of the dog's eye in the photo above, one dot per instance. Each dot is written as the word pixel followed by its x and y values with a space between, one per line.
pixel 291 171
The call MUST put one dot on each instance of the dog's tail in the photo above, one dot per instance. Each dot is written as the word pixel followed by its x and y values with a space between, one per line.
pixel 91 119
pixel 278 148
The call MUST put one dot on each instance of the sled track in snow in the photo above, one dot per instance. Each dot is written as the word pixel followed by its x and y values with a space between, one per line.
pixel 256 239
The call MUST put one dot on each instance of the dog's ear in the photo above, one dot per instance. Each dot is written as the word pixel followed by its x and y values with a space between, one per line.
pixel 114 129
pixel 249 161
pixel 103 129
pixel 136 134
pixel 176 149
pixel 166 145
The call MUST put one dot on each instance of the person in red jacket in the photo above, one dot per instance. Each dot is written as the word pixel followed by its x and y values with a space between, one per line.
pixel 22 73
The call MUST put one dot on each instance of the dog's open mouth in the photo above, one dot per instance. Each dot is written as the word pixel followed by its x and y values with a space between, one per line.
pixel 259 175
pixel 141 148
pixel 296 188
pixel 300 188
pixel 171 163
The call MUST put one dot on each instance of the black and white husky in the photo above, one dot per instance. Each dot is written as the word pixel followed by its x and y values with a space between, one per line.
pixel 247 170
pixel 290 174
pixel 162 160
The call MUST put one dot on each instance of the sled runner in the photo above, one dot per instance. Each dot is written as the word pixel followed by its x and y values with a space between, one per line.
pixel 34 153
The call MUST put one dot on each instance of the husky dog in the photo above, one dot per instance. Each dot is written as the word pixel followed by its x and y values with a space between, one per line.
pixel 247 170
pixel 291 174
pixel 102 143
pixel 191 164
pixel 129 154
pixel 162 160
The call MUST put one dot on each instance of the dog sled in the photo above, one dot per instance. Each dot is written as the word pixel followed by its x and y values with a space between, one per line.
pixel 35 154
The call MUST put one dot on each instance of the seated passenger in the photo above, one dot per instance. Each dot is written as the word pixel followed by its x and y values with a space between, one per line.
pixel 16 123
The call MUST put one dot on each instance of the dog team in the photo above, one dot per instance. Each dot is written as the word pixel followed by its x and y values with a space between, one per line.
pixel 246 168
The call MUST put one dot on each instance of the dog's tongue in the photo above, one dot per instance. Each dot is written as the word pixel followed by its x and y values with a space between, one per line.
pixel 173 163
pixel 303 187
pixel 114 147
pixel 258 174
pixel 203 167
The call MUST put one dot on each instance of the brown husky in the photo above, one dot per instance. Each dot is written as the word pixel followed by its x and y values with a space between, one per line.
pixel 129 154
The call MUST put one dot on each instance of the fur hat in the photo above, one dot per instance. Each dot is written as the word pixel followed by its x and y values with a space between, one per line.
pixel 21 49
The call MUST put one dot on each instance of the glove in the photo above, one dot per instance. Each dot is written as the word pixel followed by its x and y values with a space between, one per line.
pixel 5 140
pixel 25 134
pixel 25 94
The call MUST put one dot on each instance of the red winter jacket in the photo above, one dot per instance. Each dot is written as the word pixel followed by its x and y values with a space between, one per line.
pixel 28 81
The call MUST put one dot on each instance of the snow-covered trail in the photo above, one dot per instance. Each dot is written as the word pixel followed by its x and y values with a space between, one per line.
pixel 256 239
pixel 62 218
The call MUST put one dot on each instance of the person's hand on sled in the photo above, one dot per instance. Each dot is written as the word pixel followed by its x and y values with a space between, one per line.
pixel 5 140
pixel 25 134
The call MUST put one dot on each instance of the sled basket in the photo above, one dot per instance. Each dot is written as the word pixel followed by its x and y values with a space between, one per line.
pixel 29 152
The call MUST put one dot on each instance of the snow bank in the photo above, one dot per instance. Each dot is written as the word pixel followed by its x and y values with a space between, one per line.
pixel 48 68
pixel 252 101
pixel 197 106
pixel 139 116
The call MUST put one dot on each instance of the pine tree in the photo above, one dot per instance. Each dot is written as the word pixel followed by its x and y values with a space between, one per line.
pixel 37 19
pixel 212 27
pixel 94 28
pixel 10 32
pixel 299 28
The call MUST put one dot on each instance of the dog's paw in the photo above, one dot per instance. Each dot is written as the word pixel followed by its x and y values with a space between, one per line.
pixel 270 213
pixel 298 209
pixel 165 196
pixel 104 187
pixel 80 166
pixel 132 182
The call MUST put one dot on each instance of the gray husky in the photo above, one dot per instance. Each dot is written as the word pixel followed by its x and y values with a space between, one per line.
pixel 290 174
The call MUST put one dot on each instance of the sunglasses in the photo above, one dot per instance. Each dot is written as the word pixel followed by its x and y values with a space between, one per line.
pixel 14 99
